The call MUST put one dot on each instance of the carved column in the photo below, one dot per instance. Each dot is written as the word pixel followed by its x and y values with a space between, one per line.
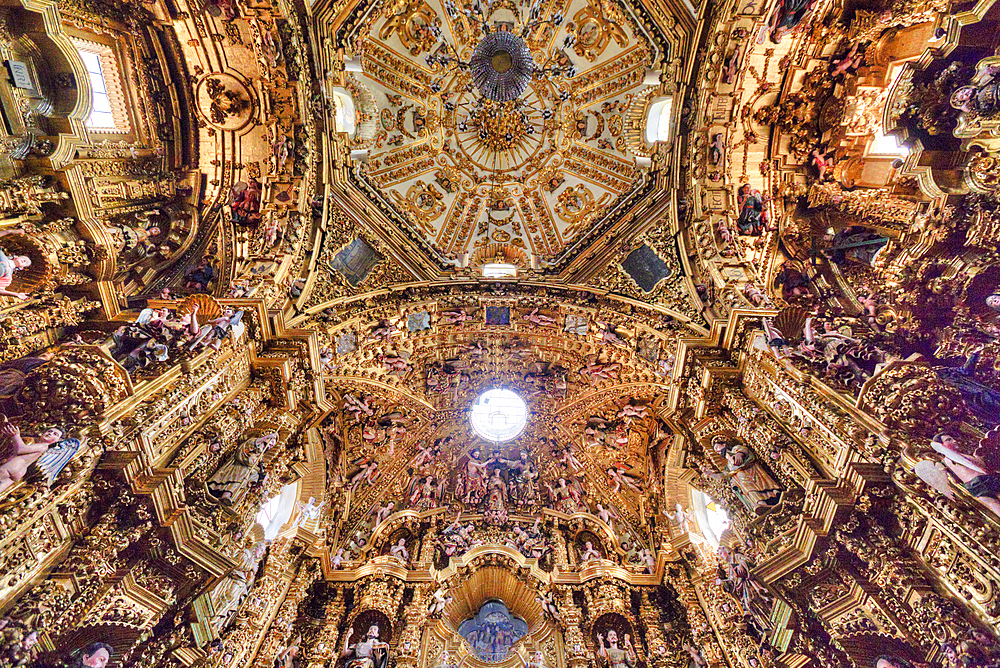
pixel 280 632
pixel 650 617
pixel 326 640
pixel 415 616
pixel 701 629
pixel 577 653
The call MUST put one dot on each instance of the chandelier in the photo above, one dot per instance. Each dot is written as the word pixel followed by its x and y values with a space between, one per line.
pixel 501 121
pixel 501 64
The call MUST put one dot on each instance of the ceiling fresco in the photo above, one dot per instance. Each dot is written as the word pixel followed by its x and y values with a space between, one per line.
pixel 533 173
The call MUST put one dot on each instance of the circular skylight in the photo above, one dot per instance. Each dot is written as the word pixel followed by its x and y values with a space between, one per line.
pixel 499 415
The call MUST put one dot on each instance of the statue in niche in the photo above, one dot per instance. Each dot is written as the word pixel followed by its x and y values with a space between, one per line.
pixel 50 451
pixel 589 553
pixel 753 215
pixel 369 653
pixel 565 497
pixel 230 593
pixel 230 483
pixel 399 551
pixel 750 480
pixel 496 499
pixel 734 574
pixel 613 655
pixel 473 479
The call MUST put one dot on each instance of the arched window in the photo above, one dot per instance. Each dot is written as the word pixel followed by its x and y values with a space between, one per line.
pixel 712 518
pixel 277 510
pixel 344 111
pixel 658 122
pixel 107 104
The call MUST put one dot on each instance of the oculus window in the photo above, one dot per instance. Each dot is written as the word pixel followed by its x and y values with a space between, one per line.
pixel 499 415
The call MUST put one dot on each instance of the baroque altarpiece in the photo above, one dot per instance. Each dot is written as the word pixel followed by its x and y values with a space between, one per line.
pixel 512 334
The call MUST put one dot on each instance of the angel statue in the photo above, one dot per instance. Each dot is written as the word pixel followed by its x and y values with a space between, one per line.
pixel 979 472
pixel 369 653
pixel 548 602
pixel 49 451
pixel 439 599
pixel 307 511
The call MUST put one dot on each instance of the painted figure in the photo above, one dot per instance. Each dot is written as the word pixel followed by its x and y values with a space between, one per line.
pixel 753 215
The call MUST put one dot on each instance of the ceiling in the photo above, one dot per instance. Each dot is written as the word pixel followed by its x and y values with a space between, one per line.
pixel 448 165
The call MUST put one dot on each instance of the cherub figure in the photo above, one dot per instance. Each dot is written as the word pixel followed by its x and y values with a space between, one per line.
pixel 540 319
pixel 357 407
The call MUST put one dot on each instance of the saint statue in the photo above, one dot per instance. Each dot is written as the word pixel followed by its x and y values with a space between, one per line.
pixel 615 656
pixel 369 653
pixel 734 574
pixel 231 591
pixel 754 485
pixel 230 483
